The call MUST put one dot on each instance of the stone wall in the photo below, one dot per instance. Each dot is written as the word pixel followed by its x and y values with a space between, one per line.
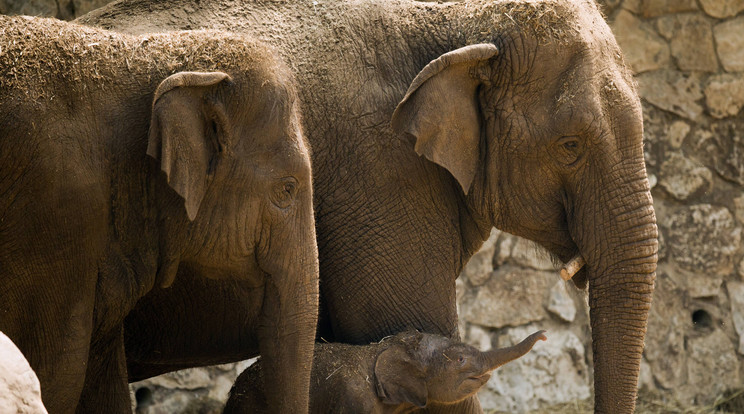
pixel 61 9
pixel 688 56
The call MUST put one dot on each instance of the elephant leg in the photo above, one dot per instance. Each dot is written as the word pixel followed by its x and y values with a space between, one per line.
pixel 106 376
pixel 50 319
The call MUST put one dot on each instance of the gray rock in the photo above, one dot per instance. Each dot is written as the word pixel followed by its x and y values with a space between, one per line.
pixel 672 91
pixel 722 147
pixel 84 6
pixel 555 371
pixel 739 208
pixel 504 247
pixel 736 298
pixel 633 6
pixel 704 238
pixel 705 287
pixel 677 132
pixel 722 9
pixel 529 254
pixel 511 297
pixel 712 367
pixel 478 337
pixel 724 94
pixel 560 303
pixel 730 44
pixel 478 269
pixel 20 391
pixel 683 178
pixel 667 323
pixel 45 8
pixel 685 30
pixel 653 8
pixel 644 50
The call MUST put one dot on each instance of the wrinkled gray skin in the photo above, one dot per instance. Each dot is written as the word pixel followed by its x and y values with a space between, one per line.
pixel 536 130
pixel 118 166
pixel 396 375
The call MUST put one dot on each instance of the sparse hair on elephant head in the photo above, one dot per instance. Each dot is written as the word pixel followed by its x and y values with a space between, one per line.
pixel 397 374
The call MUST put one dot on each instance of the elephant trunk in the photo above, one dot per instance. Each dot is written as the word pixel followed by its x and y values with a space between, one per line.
pixel 621 256
pixel 497 357
pixel 289 314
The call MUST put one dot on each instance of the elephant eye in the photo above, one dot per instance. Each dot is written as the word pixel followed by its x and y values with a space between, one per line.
pixel 461 359
pixel 284 192
pixel 568 149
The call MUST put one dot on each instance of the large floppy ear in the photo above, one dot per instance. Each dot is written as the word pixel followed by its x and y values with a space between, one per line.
pixel 183 132
pixel 400 378
pixel 440 110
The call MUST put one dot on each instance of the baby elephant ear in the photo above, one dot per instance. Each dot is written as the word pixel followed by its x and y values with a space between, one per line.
pixel 399 378
pixel 182 136
pixel 440 110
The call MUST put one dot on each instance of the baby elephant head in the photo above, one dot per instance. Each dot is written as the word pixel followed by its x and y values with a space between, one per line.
pixel 425 368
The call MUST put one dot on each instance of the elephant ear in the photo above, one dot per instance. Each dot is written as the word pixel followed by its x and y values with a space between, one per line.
pixel 440 110
pixel 400 378
pixel 182 136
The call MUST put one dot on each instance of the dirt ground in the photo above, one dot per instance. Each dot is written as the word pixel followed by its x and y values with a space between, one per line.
pixel 653 403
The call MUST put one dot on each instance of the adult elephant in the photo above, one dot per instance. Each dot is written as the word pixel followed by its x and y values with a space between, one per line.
pixel 124 159
pixel 527 119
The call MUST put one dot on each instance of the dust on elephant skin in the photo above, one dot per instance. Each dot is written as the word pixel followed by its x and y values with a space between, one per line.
pixel 123 159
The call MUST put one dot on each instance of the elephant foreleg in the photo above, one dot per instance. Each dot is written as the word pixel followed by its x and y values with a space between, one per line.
pixel 106 385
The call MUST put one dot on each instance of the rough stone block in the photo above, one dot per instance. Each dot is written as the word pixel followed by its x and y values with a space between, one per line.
pixel 722 147
pixel 511 297
pixel 691 41
pixel 722 9
pixel 683 178
pixel 653 8
pixel 736 297
pixel 724 94
pixel 676 134
pixel 672 91
pixel 560 303
pixel 712 367
pixel 730 44
pixel 478 269
pixel 643 49
pixel 529 254
pixel 20 391
pixel 555 371
pixel 704 238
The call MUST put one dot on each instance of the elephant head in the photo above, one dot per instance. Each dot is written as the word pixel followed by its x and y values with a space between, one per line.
pixel 422 368
pixel 542 130
pixel 232 148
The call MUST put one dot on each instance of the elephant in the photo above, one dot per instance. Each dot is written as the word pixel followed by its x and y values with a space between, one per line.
pixel 124 159
pixel 431 124
pixel 395 375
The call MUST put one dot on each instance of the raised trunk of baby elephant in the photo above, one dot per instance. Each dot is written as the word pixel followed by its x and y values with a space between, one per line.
pixel 497 357
pixel 621 269
pixel 289 317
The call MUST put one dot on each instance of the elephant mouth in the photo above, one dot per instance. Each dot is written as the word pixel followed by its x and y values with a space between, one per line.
pixel 481 379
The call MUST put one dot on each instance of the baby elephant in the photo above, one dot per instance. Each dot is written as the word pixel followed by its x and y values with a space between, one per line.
pixel 397 375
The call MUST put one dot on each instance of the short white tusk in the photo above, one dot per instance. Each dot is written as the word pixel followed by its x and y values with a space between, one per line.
pixel 572 267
